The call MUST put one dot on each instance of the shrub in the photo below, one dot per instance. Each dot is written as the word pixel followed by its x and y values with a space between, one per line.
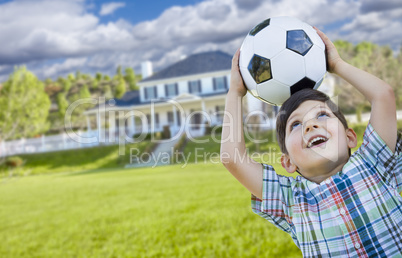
pixel 14 162
pixel 166 132
pixel 179 147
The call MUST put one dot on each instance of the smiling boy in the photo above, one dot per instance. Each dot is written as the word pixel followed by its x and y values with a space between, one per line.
pixel 343 204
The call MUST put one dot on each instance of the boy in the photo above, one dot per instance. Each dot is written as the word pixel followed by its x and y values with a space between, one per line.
pixel 342 205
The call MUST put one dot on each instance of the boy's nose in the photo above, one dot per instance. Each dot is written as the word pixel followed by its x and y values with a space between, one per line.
pixel 310 125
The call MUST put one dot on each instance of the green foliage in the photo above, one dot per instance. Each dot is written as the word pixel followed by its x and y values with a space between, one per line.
pixel 67 85
pixel 14 162
pixel 24 106
pixel 375 59
pixel 62 103
pixel 78 75
pixel 107 92
pixel 120 88
pixel 95 84
pixel 119 72
pixel 131 78
pixel 98 76
pixel 77 116
pixel 71 77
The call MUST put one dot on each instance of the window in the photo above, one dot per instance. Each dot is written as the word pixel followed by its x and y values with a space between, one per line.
pixel 171 118
pixel 171 90
pixel 194 86
pixel 150 93
pixel 220 83
pixel 219 111
pixel 156 120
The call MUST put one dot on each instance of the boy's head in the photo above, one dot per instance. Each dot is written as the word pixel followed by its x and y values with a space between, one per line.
pixel 311 128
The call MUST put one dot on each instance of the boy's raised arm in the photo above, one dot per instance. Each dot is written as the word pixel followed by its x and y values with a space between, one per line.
pixel 233 149
pixel 378 93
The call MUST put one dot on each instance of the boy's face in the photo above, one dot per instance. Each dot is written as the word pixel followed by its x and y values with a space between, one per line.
pixel 317 142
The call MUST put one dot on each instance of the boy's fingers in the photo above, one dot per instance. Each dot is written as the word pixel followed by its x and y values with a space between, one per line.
pixel 322 35
pixel 235 60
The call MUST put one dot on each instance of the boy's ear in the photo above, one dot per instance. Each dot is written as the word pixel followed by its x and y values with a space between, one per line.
pixel 287 164
pixel 351 137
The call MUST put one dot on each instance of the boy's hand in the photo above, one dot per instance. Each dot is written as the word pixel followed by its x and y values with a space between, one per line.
pixel 380 95
pixel 333 58
pixel 236 81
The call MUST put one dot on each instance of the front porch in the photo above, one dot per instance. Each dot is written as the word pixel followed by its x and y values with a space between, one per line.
pixel 185 113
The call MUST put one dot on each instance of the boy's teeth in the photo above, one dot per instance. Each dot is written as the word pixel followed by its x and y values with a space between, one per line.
pixel 315 140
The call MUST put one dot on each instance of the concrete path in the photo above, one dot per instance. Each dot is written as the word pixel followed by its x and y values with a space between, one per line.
pixel 161 156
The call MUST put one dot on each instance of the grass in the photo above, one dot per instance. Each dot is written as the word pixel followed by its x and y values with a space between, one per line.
pixel 94 158
pixel 200 211
pixel 97 209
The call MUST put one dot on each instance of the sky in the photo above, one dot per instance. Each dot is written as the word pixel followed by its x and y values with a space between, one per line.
pixel 53 38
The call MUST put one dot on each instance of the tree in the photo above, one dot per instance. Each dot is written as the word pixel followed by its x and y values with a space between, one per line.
pixel 107 92
pixel 62 103
pixel 130 78
pixel 77 115
pixel 24 106
pixel 118 71
pixel 120 88
pixel 98 76
pixel 375 59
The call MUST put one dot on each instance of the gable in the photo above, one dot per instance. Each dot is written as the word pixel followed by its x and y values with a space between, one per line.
pixel 195 64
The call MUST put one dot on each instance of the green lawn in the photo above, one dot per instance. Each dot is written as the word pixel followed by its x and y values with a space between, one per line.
pixel 198 211
pixel 82 203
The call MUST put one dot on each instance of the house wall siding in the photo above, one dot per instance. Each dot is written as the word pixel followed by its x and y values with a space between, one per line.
pixel 207 85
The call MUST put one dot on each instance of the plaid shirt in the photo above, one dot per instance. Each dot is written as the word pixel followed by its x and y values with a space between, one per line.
pixel 357 212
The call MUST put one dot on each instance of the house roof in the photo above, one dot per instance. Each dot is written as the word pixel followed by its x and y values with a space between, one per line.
pixel 195 64
pixel 132 98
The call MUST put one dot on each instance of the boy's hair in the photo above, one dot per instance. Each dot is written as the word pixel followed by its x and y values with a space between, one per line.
pixel 293 103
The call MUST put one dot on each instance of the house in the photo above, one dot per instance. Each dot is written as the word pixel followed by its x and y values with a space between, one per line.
pixel 184 97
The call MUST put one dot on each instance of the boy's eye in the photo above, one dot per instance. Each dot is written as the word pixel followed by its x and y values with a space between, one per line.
pixel 294 125
pixel 322 115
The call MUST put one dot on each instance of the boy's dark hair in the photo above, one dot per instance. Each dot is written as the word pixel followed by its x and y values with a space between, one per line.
pixel 293 103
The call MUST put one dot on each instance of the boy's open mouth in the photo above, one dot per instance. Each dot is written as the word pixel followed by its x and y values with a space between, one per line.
pixel 316 141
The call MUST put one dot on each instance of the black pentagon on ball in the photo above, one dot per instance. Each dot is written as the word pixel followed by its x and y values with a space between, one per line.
pixel 259 27
pixel 302 84
pixel 260 69
pixel 298 41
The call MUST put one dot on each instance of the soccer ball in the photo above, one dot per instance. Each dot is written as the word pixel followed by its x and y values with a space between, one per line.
pixel 281 56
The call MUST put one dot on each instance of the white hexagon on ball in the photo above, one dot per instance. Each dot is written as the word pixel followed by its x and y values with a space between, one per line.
pixel 247 51
pixel 288 67
pixel 315 63
pixel 273 91
pixel 287 23
pixel 269 49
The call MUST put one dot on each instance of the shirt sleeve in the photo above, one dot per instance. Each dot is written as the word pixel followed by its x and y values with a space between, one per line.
pixel 277 199
pixel 376 152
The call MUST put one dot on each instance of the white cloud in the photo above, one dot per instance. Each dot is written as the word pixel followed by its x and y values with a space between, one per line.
pixel 33 32
pixel 110 8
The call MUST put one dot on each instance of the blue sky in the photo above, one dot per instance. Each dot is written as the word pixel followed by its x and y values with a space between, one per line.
pixel 56 37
